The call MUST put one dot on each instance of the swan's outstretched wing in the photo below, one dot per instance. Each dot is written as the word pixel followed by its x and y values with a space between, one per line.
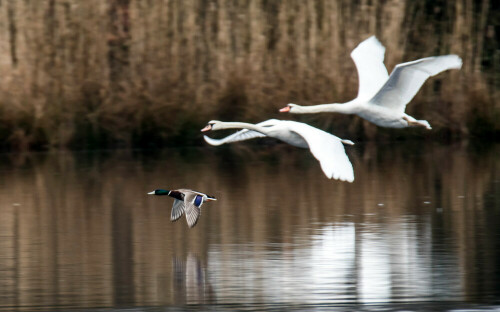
pixel 372 74
pixel 407 78
pixel 241 135
pixel 328 149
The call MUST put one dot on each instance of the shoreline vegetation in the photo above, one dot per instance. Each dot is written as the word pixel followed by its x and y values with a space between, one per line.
pixel 125 73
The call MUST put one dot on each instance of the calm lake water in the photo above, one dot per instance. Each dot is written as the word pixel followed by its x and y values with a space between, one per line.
pixel 419 229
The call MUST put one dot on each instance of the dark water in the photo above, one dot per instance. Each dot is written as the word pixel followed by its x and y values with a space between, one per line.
pixel 419 229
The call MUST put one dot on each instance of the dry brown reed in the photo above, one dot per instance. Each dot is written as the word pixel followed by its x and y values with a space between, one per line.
pixel 146 73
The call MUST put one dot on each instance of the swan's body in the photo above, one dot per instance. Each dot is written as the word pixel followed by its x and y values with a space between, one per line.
pixel 326 148
pixel 382 99
pixel 186 201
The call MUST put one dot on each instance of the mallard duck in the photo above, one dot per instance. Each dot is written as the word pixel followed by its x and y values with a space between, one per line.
pixel 325 147
pixel 187 201
pixel 382 99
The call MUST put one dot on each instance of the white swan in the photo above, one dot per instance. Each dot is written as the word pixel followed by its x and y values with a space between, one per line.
pixel 382 99
pixel 325 147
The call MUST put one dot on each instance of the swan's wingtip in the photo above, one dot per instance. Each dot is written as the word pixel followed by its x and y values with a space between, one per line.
pixel 458 61
pixel 375 40
pixel 454 61
pixel 349 178
pixel 371 45
pixel 344 179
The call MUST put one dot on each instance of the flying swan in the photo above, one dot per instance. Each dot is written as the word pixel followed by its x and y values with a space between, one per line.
pixel 382 98
pixel 326 148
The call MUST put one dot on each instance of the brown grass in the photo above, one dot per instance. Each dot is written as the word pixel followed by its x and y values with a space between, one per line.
pixel 138 73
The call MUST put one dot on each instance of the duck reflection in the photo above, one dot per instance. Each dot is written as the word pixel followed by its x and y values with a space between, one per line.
pixel 190 281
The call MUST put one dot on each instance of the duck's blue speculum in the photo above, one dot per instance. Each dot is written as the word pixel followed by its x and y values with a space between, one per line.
pixel 198 200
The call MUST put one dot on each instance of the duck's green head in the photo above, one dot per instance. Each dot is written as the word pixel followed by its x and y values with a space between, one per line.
pixel 159 192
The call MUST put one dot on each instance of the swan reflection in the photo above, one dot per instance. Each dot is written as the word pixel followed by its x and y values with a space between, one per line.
pixel 341 262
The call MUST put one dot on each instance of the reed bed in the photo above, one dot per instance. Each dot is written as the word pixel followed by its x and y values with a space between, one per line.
pixel 84 74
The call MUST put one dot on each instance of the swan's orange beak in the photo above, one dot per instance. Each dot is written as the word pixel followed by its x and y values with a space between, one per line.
pixel 285 109
pixel 207 128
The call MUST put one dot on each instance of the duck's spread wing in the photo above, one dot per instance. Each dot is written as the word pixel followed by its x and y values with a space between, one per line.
pixel 241 135
pixel 372 74
pixel 177 210
pixel 407 78
pixel 193 212
pixel 328 150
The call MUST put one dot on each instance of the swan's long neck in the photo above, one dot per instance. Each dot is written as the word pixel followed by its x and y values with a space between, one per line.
pixel 241 125
pixel 346 108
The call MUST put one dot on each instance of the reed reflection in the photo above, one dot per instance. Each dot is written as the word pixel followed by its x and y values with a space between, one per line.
pixel 418 223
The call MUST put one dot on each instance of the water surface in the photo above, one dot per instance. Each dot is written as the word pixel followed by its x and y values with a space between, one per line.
pixel 419 229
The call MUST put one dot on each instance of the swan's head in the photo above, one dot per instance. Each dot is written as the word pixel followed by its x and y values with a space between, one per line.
pixel 159 192
pixel 212 125
pixel 290 108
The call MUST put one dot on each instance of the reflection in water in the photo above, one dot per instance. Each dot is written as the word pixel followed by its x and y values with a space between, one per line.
pixel 190 283
pixel 337 265
pixel 418 224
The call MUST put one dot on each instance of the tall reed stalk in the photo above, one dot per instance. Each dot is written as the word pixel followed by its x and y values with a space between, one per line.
pixel 146 73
